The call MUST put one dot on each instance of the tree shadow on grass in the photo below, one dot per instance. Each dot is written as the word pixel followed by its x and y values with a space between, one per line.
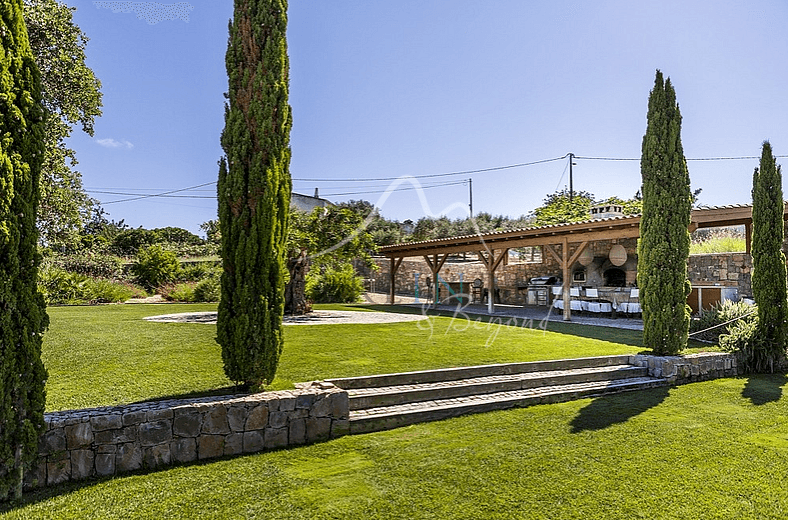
pixel 761 389
pixel 606 411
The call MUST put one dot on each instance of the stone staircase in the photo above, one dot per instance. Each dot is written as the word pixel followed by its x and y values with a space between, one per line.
pixel 383 402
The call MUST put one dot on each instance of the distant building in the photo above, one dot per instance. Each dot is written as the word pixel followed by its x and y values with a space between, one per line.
pixel 307 203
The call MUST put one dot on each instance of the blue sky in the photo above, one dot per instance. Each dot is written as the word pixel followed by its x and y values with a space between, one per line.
pixel 385 89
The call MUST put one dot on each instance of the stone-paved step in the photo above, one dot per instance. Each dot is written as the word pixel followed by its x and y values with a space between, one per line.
pixel 418 392
pixel 453 374
pixel 388 417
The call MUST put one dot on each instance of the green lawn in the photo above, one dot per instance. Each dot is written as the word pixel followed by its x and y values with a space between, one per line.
pixel 707 450
pixel 717 449
pixel 107 355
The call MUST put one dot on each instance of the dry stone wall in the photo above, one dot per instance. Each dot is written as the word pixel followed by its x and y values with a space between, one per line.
pixel 688 369
pixel 78 444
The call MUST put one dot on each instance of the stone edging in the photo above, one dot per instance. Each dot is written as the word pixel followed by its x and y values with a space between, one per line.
pixel 79 444
pixel 678 370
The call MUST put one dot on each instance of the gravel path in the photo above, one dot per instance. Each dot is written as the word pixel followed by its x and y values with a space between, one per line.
pixel 313 318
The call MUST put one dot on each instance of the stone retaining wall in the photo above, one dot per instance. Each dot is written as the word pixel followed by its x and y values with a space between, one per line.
pixel 79 444
pixel 688 369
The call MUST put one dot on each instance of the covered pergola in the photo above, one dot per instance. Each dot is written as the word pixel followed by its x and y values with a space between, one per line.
pixel 493 248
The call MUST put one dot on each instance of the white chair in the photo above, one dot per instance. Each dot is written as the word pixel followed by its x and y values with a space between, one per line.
pixel 574 303
pixel 593 304
pixel 631 307
pixel 558 301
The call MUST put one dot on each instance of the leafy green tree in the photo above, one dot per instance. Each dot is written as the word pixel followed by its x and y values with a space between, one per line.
pixel 23 317
pixel 664 243
pixel 254 192
pixel 768 263
pixel 326 239
pixel 71 95
pixel 558 208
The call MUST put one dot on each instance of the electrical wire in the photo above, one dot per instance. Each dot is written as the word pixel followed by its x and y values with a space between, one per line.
pixel 158 194
pixel 465 172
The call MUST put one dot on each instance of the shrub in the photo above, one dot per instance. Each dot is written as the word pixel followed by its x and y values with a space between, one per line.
pixel 208 290
pixel 59 286
pixel 341 285
pixel 155 267
pixel 180 292
pixel 720 313
pixel 750 348
pixel 196 271
pixel 94 265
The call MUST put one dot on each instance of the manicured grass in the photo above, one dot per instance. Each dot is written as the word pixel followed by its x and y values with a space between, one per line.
pixel 706 450
pixel 107 355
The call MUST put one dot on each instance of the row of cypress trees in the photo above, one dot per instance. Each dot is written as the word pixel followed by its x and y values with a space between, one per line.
pixel 663 248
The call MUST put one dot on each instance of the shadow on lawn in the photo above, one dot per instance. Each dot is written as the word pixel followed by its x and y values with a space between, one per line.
pixel 224 391
pixel 615 409
pixel 764 388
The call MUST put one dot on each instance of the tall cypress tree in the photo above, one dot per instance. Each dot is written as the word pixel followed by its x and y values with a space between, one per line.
pixel 23 315
pixel 254 192
pixel 663 249
pixel 768 262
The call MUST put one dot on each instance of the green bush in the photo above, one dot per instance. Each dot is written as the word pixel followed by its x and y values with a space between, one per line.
pixel 180 292
pixel 155 267
pixel 208 290
pixel 196 271
pixel 749 347
pixel 341 285
pixel 59 286
pixel 717 315
pixel 90 264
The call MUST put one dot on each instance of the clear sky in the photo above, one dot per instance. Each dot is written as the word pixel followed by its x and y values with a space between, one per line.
pixel 385 89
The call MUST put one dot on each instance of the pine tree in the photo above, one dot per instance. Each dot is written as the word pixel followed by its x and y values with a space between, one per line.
pixel 768 263
pixel 663 249
pixel 254 192
pixel 22 312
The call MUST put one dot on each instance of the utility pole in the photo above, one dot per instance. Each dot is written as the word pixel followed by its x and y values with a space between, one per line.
pixel 470 196
pixel 571 187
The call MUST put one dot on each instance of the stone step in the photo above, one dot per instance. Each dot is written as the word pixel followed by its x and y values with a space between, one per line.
pixel 418 392
pixel 389 417
pixel 453 374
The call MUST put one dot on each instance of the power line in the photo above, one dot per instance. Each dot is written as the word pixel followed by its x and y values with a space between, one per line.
pixel 406 188
pixel 464 172
pixel 689 159
pixel 159 194
pixel 168 194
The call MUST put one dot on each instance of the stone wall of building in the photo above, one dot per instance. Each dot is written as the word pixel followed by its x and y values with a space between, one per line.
pixel 78 444
pixel 724 269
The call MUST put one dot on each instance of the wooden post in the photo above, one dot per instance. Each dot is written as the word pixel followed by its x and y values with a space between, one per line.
pixel 394 266
pixel 435 263
pixel 566 263
pixel 492 263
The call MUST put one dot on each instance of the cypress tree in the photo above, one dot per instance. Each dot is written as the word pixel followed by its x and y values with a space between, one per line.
pixel 768 262
pixel 254 192
pixel 22 312
pixel 663 249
